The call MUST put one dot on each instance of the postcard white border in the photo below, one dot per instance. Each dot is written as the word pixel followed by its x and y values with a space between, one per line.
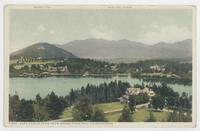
pixel 7 8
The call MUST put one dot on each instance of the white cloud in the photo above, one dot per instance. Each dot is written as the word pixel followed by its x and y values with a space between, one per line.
pixel 52 32
pixel 102 32
pixel 169 33
pixel 41 28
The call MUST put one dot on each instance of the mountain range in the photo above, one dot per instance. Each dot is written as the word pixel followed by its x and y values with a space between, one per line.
pixel 109 50
pixel 105 49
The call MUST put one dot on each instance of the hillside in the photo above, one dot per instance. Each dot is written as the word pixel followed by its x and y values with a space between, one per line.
pixel 125 49
pixel 42 50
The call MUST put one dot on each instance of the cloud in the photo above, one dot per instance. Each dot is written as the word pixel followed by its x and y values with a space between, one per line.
pixel 169 33
pixel 52 32
pixel 41 28
pixel 102 32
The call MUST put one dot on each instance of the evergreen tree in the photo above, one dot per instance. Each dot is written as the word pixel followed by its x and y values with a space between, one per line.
pixel 126 115
pixel 132 103
pixel 14 103
pixel 40 113
pixel 179 116
pixel 25 111
pixel 83 109
pixel 53 105
pixel 98 115
pixel 158 102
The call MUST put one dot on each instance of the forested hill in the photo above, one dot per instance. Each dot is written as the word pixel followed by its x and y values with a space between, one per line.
pixel 44 51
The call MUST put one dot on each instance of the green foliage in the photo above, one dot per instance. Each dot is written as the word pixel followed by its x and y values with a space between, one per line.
pixel 53 105
pixel 185 102
pixel 79 66
pixel 40 113
pixel 158 102
pixel 98 115
pixel 37 110
pixel 126 115
pixel 14 103
pixel 100 94
pixel 25 111
pixel 172 98
pixel 76 115
pixel 83 109
pixel 132 102
pixel 179 116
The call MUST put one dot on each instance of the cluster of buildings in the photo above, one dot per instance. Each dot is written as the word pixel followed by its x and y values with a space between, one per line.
pixel 157 68
pixel 135 91
pixel 45 70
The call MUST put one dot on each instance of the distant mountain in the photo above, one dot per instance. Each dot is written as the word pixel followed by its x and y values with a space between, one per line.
pixel 125 49
pixel 42 50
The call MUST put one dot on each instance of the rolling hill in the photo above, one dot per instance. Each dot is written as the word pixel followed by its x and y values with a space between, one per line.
pixel 125 49
pixel 42 50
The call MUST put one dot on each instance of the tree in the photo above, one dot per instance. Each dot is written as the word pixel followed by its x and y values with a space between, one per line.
pixel 72 96
pixel 83 109
pixel 25 111
pixel 40 113
pixel 14 103
pixel 132 103
pixel 38 99
pixel 53 105
pixel 185 101
pixel 76 115
pixel 126 115
pixel 151 117
pixel 158 102
pixel 98 115
pixel 179 116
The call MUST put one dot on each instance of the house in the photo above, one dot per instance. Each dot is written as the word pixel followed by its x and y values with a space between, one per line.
pixel 63 68
pixel 132 91
pixel 86 73
pixel 157 68
pixel 151 93
pixel 52 69
pixel 114 68
pixel 18 67
pixel 135 91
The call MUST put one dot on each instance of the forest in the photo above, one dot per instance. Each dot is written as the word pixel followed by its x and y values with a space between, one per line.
pixel 82 101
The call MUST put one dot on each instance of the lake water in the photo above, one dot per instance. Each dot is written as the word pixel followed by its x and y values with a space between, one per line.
pixel 28 87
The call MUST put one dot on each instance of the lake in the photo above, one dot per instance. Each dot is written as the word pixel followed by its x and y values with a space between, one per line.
pixel 28 87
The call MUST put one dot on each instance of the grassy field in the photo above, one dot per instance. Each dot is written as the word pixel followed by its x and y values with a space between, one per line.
pixel 110 106
pixel 139 116
pixel 105 107
pixel 66 113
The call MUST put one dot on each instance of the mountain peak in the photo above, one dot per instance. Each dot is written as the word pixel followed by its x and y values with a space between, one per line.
pixel 44 50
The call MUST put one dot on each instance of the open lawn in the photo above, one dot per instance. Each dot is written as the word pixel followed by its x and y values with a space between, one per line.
pixel 110 106
pixel 139 116
pixel 66 113
pixel 105 107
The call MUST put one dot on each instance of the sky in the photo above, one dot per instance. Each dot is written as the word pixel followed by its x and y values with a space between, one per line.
pixel 62 26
